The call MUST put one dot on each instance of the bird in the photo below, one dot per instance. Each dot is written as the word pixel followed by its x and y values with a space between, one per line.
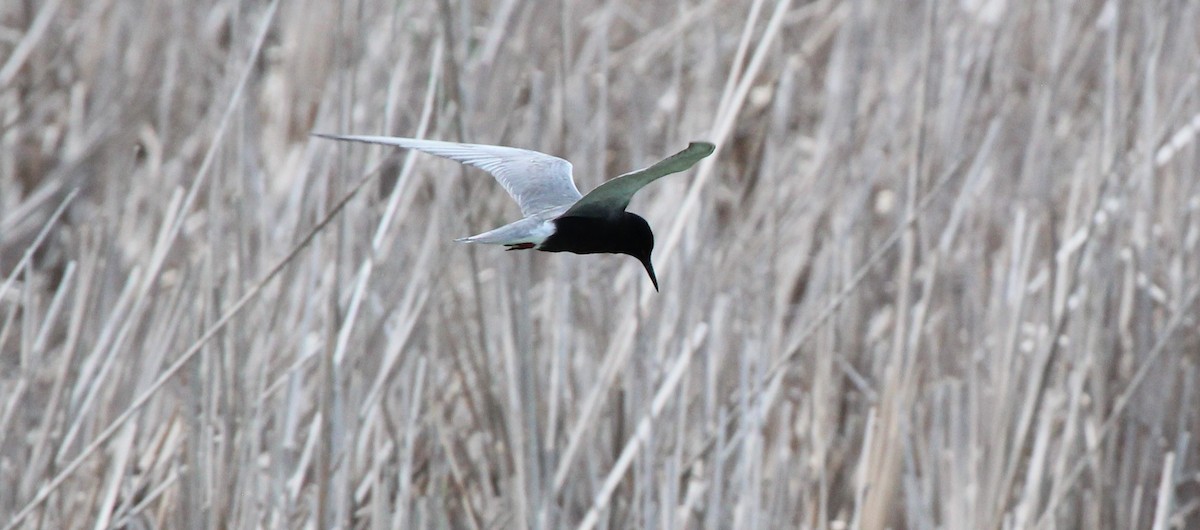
pixel 557 218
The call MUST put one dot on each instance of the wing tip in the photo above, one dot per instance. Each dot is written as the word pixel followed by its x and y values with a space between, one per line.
pixel 702 146
pixel 328 136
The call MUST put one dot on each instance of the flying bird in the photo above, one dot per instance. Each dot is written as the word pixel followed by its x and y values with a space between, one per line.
pixel 557 217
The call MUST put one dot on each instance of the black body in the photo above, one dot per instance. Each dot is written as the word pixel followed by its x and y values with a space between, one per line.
pixel 626 233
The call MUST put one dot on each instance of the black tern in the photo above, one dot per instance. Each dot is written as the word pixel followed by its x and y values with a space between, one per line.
pixel 557 217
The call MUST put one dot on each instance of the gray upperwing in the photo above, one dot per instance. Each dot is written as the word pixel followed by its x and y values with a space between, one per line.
pixel 537 181
pixel 614 195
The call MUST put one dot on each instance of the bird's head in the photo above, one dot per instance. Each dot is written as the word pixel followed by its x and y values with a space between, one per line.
pixel 639 242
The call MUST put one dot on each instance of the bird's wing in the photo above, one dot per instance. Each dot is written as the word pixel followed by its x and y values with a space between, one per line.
pixel 614 195
pixel 537 181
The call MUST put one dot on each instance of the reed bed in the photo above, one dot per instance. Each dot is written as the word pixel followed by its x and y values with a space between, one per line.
pixel 940 273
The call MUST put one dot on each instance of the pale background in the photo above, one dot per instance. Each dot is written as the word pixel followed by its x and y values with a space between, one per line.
pixel 1022 354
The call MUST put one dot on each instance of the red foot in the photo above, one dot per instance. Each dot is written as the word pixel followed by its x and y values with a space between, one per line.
pixel 520 246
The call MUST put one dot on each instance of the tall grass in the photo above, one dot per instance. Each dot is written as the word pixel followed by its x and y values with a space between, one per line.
pixel 941 272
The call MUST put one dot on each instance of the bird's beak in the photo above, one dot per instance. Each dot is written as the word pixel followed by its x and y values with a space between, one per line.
pixel 650 271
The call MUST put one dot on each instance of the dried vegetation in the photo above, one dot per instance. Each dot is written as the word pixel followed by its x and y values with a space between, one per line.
pixel 941 272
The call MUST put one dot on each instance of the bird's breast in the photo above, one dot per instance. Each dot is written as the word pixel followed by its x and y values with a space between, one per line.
pixel 584 235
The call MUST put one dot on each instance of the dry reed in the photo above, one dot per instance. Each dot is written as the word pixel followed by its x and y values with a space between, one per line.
pixel 941 272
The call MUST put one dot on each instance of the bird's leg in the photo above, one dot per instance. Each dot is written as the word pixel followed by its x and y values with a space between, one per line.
pixel 520 246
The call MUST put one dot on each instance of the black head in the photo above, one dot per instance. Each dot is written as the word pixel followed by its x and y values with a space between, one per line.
pixel 638 241
pixel 622 234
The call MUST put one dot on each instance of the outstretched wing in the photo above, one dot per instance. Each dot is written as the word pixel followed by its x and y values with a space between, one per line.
pixel 614 195
pixel 537 181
